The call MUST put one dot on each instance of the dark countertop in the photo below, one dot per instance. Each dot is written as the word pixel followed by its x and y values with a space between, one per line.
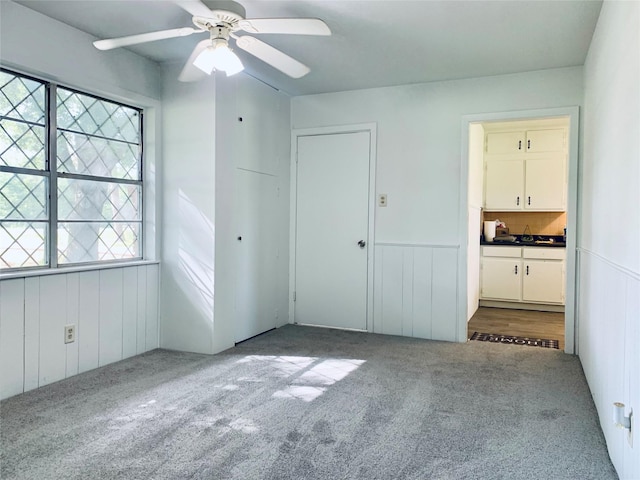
pixel 538 241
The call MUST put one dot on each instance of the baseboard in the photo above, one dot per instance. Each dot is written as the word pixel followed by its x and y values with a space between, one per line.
pixel 522 306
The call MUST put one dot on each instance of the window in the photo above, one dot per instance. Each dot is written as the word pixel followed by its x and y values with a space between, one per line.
pixel 70 176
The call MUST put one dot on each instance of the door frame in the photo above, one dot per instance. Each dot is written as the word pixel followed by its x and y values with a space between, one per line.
pixel 571 287
pixel 371 128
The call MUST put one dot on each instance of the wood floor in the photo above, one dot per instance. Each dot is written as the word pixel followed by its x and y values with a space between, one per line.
pixel 522 323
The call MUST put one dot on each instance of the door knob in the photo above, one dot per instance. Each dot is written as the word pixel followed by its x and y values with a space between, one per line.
pixel 362 243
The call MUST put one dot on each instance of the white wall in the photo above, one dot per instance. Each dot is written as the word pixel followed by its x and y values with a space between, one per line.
pixel 188 212
pixel 204 143
pixel 609 193
pixel 115 309
pixel 419 148
pixel 115 312
pixel 45 47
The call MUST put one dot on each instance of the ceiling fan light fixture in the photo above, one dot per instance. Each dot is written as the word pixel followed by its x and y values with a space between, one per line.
pixel 218 56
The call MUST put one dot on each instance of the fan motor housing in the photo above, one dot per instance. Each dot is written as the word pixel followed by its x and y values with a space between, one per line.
pixel 230 8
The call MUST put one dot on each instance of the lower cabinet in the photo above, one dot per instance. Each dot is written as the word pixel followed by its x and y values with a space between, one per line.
pixel 523 274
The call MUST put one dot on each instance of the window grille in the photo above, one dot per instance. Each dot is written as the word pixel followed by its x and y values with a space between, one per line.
pixel 70 176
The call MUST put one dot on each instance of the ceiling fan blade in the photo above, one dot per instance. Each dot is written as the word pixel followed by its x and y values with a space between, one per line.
pixel 191 73
pixel 272 56
pixel 294 26
pixel 110 43
pixel 194 7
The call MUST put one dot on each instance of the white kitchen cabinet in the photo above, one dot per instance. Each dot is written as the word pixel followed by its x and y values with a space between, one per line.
pixel 526 141
pixel 523 274
pixel 500 273
pixel 543 273
pixel 547 140
pixel 525 170
pixel 545 183
pixel 504 185
pixel 499 143
pixel 535 183
pixel 543 281
pixel 501 278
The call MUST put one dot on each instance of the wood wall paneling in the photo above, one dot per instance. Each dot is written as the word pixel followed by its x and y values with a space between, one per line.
pixel 631 394
pixel 129 310
pixel 152 337
pixel 422 292
pixel 111 301
pixel 73 315
pixel 407 292
pixel 115 312
pixel 31 332
pixel 415 290
pixel 11 337
pixel 391 314
pixel 608 307
pixel 444 294
pixel 141 316
pixel 53 318
pixel 88 333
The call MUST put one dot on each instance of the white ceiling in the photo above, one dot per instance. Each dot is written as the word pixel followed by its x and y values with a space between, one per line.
pixel 374 43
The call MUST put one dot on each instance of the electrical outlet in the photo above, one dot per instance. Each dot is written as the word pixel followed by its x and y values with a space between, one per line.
pixel 382 200
pixel 69 333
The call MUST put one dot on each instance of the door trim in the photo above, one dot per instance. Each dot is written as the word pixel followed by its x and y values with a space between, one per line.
pixel 573 113
pixel 371 128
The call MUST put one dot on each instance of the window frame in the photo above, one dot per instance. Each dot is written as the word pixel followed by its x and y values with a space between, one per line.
pixel 50 172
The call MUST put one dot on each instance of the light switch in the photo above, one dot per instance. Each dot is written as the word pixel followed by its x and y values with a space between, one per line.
pixel 382 200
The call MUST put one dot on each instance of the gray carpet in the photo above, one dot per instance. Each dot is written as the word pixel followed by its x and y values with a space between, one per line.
pixel 304 403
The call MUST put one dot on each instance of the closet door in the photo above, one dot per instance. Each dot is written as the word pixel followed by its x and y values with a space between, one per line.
pixel 256 239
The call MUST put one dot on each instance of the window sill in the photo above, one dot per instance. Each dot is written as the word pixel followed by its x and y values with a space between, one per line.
pixel 78 268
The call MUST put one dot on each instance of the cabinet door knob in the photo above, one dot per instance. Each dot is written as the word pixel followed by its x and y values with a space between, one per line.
pixel 516 272
pixel 519 144
pixel 527 269
pixel 528 144
pixel 517 200
pixel 528 200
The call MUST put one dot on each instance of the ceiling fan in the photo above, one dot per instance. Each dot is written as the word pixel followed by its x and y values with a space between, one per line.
pixel 222 20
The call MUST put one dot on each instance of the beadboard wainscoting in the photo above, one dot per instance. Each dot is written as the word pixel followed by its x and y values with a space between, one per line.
pixel 114 310
pixel 608 316
pixel 416 290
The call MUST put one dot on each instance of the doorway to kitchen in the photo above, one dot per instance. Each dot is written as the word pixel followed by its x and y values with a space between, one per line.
pixel 520 205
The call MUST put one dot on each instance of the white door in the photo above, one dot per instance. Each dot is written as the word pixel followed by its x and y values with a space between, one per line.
pixel 332 211
pixel 256 227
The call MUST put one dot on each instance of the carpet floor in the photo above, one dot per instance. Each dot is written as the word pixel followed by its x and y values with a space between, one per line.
pixel 308 403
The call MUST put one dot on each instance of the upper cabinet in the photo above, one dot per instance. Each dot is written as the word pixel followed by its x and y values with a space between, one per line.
pixel 526 141
pixel 498 143
pixel 547 141
pixel 526 170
